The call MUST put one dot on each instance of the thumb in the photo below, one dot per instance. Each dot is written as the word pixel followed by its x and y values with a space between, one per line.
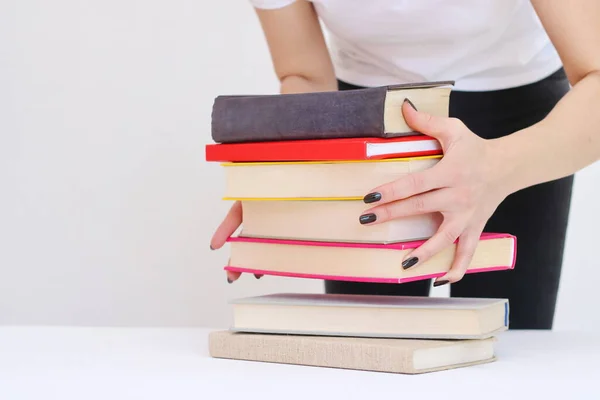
pixel 440 128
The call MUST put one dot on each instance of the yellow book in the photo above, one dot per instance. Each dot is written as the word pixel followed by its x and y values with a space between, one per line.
pixel 315 180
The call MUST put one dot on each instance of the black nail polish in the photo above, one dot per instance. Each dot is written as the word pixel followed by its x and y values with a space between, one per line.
pixel 372 197
pixel 440 283
pixel 257 276
pixel 368 218
pixel 410 262
pixel 229 280
pixel 410 103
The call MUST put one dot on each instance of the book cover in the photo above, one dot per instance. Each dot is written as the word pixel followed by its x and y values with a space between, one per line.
pixel 401 356
pixel 330 220
pixel 324 150
pixel 373 301
pixel 358 262
pixel 371 112
pixel 355 315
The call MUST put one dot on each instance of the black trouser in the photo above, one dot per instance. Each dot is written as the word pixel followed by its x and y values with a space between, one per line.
pixel 537 215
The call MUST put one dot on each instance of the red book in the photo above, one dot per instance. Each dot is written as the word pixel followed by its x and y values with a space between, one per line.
pixel 324 149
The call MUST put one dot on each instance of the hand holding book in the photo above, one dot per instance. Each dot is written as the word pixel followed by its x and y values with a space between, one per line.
pixel 298 190
pixel 465 187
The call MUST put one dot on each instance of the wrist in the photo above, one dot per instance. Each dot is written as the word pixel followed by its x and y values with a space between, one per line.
pixel 519 159
pixel 504 165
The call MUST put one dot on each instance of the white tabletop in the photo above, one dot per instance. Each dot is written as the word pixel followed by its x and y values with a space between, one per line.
pixel 139 363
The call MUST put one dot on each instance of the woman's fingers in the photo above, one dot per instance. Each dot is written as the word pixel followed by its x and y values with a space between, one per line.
pixel 444 237
pixel 444 129
pixel 232 221
pixel 228 226
pixel 465 249
pixel 426 203
pixel 449 187
pixel 233 276
pixel 408 185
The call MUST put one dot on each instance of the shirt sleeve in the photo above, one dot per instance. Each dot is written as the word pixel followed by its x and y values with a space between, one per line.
pixel 271 4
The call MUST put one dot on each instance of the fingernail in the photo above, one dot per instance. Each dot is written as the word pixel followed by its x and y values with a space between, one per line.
pixel 257 276
pixel 229 280
pixel 410 262
pixel 372 197
pixel 212 248
pixel 410 103
pixel 440 283
pixel 368 218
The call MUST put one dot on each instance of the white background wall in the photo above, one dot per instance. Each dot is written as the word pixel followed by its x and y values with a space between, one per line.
pixel 106 203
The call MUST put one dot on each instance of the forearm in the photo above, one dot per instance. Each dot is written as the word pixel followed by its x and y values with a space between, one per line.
pixel 567 140
pixel 300 84
pixel 298 49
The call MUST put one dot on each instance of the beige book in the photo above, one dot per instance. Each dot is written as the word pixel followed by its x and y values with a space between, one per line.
pixel 330 220
pixel 402 356
pixel 316 179
pixel 411 317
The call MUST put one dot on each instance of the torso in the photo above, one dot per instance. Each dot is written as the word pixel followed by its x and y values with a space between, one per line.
pixel 480 44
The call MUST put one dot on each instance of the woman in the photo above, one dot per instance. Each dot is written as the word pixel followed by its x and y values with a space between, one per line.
pixel 517 130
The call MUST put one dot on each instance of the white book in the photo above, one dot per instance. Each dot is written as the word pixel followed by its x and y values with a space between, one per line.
pixel 371 316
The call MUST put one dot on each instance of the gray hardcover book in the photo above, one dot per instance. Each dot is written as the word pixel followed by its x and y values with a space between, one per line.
pixel 370 112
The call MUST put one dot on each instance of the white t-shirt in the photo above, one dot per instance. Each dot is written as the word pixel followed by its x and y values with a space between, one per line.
pixel 480 44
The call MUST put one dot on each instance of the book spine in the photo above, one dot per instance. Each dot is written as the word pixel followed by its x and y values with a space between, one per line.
pixel 286 151
pixel 348 278
pixel 354 149
pixel 394 246
pixel 320 115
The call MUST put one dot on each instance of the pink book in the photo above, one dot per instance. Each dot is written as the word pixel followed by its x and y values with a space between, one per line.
pixel 361 262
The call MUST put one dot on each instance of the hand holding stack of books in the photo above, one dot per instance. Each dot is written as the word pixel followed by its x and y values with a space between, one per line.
pixel 301 166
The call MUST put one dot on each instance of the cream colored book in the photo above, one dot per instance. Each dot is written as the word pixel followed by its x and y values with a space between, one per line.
pixel 330 220
pixel 307 180
pixel 371 316
pixel 401 356
pixel 366 262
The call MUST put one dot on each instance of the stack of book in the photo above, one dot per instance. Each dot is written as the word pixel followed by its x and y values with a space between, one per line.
pixel 395 334
pixel 301 165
